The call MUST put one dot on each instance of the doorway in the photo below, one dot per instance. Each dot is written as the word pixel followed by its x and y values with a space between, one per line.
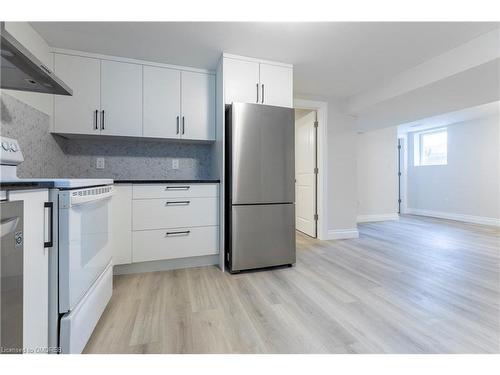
pixel 306 171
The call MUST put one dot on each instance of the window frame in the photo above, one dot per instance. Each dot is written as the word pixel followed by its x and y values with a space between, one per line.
pixel 418 145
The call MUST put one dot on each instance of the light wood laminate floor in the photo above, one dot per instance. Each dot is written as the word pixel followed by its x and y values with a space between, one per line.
pixel 418 285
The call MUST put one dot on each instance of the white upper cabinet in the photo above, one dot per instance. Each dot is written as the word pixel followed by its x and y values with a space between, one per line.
pixel 276 85
pixel 125 98
pixel 162 102
pixel 78 114
pixel 241 81
pixel 198 106
pixel 121 98
pixel 254 81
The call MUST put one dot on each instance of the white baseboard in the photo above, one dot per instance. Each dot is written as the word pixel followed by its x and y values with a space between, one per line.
pixel 381 217
pixel 342 234
pixel 458 217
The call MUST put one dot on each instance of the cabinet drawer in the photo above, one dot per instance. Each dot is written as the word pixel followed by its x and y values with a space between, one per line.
pixel 161 244
pixel 174 213
pixel 147 191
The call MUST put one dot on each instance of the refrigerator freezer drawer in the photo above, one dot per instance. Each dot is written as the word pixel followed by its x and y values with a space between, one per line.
pixel 262 236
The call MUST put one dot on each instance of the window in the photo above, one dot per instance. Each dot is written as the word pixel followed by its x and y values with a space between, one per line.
pixel 431 147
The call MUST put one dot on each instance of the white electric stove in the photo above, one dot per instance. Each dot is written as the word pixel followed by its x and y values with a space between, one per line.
pixel 80 268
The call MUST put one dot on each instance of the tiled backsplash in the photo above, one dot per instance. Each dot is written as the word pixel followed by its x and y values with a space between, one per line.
pixel 48 155
pixel 43 152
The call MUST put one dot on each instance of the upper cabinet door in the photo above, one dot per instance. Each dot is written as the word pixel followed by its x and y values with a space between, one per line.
pixel 77 114
pixel 241 81
pixel 276 85
pixel 121 98
pixel 198 106
pixel 162 102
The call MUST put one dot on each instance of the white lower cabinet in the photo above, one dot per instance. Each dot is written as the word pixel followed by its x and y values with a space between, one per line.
pixel 174 213
pixel 174 243
pixel 154 222
pixel 35 269
pixel 152 191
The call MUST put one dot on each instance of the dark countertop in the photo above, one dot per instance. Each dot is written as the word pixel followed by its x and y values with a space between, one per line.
pixel 209 181
pixel 26 185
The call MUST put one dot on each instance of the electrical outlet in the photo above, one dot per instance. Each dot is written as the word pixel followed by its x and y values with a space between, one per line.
pixel 99 163
pixel 175 163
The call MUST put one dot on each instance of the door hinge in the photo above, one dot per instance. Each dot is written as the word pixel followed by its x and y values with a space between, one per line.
pixel 315 124
pixel 399 147
pixel 399 200
pixel 399 174
pixel 316 170
pixel 316 217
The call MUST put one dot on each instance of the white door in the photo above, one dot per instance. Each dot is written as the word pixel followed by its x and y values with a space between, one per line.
pixel 162 102
pixel 36 269
pixel 198 106
pixel 121 98
pixel 241 81
pixel 78 114
pixel 305 163
pixel 276 85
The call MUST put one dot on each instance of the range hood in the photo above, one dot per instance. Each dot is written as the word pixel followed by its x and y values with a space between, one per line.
pixel 21 70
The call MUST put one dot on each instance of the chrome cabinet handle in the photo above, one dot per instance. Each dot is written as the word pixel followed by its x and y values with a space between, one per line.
pixel 177 124
pixel 50 242
pixel 96 125
pixel 257 93
pixel 177 203
pixel 186 232
pixel 262 93
pixel 183 124
pixel 102 119
pixel 177 187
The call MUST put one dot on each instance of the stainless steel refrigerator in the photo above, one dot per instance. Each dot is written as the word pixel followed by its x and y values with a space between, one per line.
pixel 260 186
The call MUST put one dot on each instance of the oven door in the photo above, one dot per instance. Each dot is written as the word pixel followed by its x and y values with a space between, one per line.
pixel 84 241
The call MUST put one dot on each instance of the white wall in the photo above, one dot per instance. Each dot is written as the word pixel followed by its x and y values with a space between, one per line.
pixel 468 187
pixel 28 37
pixel 377 178
pixel 342 176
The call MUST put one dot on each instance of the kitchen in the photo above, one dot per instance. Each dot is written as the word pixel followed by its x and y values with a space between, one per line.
pixel 239 188
pixel 139 142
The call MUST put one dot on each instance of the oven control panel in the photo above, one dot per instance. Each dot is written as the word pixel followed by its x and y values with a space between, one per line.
pixel 10 152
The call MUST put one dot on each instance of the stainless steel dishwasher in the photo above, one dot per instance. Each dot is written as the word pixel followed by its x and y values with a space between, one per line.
pixel 11 277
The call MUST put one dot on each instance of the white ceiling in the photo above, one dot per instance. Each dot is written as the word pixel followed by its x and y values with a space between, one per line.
pixel 467 114
pixel 331 59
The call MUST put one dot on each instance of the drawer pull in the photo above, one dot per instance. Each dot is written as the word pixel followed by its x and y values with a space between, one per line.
pixel 177 203
pixel 183 232
pixel 177 188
